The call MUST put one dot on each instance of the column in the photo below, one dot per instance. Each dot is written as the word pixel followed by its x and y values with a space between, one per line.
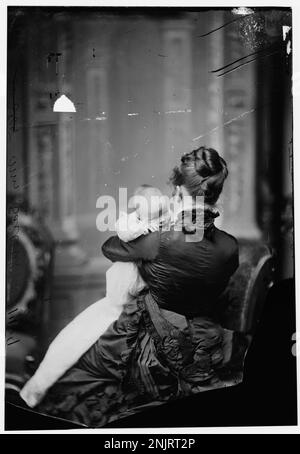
pixel 239 129
pixel 177 88
pixel 52 184
pixel 51 139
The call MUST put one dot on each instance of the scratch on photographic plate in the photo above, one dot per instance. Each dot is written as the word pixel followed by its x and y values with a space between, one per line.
pixel 242 11
pixel 246 63
pixel 177 111
pixel 225 124
pixel 285 32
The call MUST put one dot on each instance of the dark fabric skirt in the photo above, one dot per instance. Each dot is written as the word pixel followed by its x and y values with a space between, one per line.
pixel 141 361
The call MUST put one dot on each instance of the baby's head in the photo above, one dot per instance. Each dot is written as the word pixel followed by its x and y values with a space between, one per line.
pixel 149 203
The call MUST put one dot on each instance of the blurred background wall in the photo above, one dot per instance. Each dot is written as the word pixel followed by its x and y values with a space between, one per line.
pixel 148 85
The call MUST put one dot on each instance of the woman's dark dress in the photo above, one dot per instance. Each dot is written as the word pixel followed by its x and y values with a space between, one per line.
pixel 143 359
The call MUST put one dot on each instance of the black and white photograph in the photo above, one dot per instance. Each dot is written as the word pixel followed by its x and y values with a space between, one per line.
pixel 150 260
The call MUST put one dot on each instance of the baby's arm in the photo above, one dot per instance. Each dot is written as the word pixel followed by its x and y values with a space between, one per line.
pixel 129 227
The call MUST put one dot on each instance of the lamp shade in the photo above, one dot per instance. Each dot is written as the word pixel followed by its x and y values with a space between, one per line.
pixel 64 104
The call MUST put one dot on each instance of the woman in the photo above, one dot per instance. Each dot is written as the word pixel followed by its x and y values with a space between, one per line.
pixel 165 343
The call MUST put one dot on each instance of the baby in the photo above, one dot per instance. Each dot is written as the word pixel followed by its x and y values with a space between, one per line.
pixel 151 212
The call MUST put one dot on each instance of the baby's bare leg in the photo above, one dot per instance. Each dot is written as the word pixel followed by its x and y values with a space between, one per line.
pixel 80 334
pixel 68 346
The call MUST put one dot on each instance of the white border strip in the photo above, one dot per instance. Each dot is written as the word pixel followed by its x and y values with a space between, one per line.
pixel 296 70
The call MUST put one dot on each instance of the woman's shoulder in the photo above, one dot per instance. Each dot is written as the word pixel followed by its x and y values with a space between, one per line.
pixel 219 236
pixel 227 243
pixel 227 237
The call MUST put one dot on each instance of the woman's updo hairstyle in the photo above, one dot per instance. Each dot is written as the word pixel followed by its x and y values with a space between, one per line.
pixel 202 172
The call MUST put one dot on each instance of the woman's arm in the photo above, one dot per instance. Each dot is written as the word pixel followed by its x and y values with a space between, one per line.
pixel 143 248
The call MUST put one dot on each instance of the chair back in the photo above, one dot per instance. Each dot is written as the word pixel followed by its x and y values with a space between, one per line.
pixel 241 303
